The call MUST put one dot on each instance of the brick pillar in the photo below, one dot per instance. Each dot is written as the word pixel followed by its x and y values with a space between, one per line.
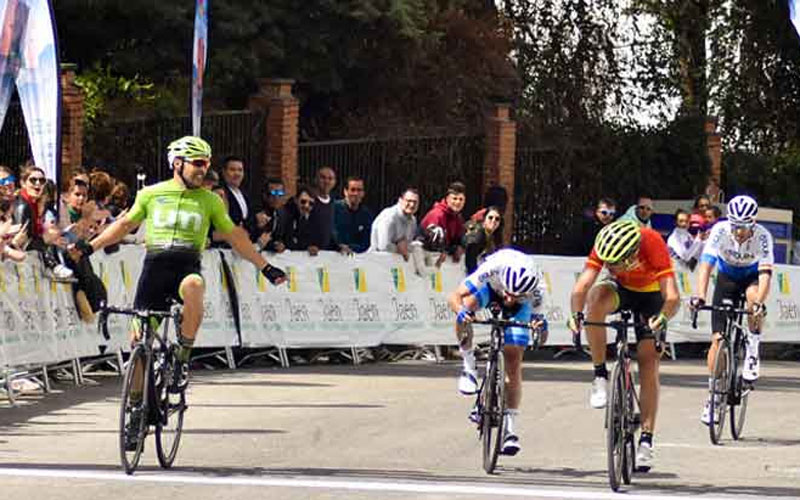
pixel 283 112
pixel 71 122
pixel 714 145
pixel 500 163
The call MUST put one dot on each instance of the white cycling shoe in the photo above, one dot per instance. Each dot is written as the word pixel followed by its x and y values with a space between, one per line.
pixel 644 457
pixel 705 417
pixel 511 445
pixel 468 383
pixel 598 398
pixel 751 368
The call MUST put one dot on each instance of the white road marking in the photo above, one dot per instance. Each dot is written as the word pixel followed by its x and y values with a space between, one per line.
pixel 483 489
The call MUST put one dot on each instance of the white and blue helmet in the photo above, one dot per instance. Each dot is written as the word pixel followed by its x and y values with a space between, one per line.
pixel 522 278
pixel 742 210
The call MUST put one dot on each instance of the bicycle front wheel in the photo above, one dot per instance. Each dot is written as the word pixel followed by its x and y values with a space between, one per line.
pixel 133 412
pixel 718 393
pixel 493 405
pixel 615 428
pixel 171 407
pixel 739 393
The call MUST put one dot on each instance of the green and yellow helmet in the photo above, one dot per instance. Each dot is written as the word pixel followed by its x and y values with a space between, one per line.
pixel 188 147
pixel 617 241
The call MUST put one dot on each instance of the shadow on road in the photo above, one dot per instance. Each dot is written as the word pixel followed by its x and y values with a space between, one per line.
pixel 651 483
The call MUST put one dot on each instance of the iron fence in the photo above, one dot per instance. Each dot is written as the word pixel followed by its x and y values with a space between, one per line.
pixel 553 187
pixel 122 148
pixel 15 148
pixel 390 165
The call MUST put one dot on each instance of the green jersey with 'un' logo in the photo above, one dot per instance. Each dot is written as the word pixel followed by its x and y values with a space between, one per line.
pixel 179 218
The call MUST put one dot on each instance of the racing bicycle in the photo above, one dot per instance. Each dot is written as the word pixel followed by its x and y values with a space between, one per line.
pixel 729 390
pixel 490 402
pixel 623 414
pixel 151 365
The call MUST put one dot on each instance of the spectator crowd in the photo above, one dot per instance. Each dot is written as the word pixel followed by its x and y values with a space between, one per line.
pixel 323 214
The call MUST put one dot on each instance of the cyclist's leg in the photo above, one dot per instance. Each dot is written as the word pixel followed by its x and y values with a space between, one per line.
pixel 724 288
pixel 191 291
pixel 602 300
pixel 646 305
pixel 516 339
pixel 752 361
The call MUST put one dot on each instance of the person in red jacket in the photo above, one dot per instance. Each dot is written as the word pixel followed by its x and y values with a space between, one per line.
pixel 446 214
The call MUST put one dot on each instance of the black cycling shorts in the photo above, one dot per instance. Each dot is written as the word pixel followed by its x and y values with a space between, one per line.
pixel 161 277
pixel 726 287
pixel 643 305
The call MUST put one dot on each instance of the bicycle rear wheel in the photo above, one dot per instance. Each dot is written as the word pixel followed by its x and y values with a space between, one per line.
pixel 133 414
pixel 170 412
pixel 493 403
pixel 740 393
pixel 615 428
pixel 718 393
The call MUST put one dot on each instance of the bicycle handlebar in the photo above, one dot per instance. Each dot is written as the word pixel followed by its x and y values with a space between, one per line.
pixel 507 323
pixel 105 310
pixel 728 309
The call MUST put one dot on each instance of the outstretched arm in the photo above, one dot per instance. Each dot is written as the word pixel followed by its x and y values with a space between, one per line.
pixel 240 241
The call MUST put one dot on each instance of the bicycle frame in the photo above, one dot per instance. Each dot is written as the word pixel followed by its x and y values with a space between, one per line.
pixel 729 357
pixel 623 409
pixel 490 399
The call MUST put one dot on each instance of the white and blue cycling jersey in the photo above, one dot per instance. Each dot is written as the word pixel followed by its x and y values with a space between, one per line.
pixel 738 261
pixel 486 284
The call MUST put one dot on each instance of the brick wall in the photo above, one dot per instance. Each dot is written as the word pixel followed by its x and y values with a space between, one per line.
pixel 283 114
pixel 71 122
pixel 499 167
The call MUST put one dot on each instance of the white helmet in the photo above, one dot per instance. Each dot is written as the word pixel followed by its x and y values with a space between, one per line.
pixel 742 210
pixel 522 278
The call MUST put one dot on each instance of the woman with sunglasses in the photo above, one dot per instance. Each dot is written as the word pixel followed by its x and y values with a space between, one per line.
pixel 741 250
pixel 479 240
pixel 641 280
pixel 26 209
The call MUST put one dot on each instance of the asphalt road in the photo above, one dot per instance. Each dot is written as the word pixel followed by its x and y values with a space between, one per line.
pixel 395 430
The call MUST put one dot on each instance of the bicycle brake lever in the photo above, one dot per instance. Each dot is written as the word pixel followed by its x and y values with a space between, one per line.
pixel 694 319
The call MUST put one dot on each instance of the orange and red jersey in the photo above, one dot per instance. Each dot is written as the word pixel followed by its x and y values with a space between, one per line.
pixel 652 264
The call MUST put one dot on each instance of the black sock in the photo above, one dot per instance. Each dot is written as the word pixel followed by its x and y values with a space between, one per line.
pixel 646 437
pixel 601 371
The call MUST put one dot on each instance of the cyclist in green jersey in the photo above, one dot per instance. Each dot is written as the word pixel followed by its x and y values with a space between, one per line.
pixel 177 214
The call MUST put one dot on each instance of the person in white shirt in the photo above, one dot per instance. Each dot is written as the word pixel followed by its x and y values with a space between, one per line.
pixel 686 241
pixel 394 228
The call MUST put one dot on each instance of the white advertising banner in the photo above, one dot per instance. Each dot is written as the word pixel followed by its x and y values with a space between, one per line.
pixel 329 301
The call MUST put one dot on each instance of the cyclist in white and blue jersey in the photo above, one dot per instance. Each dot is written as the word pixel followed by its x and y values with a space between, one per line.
pixel 512 280
pixel 741 250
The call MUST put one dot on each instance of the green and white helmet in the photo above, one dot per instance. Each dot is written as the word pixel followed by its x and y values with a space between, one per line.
pixel 617 241
pixel 188 147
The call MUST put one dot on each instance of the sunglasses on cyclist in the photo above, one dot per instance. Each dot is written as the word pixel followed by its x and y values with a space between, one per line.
pixel 737 227
pixel 5 181
pixel 198 162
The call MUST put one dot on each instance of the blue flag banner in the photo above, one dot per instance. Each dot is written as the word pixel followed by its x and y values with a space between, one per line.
pixel 199 62
pixel 28 58
pixel 794 14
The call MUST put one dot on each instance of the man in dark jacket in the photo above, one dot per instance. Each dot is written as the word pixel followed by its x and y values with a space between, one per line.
pixel 296 230
pixel 446 214
pixel 239 208
pixel 581 239
pixel 266 221
pixel 322 215
pixel 352 221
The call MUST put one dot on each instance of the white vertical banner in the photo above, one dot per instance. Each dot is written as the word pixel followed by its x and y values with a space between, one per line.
pixel 39 86
pixel 794 14
pixel 199 48
pixel 12 23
